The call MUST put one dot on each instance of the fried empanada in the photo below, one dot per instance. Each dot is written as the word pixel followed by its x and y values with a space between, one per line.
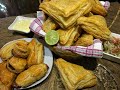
pixel 66 12
pixel 20 49
pixel 73 37
pixel 16 65
pixel 96 26
pixel 74 76
pixel 6 77
pixel 31 75
pixel 64 35
pixel 36 53
pixel 6 51
pixel 49 24
pixel 98 8
pixel 84 40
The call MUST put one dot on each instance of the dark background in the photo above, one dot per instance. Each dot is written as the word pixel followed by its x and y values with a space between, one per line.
pixel 17 7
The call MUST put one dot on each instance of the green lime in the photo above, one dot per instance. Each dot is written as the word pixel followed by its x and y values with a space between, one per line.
pixel 52 37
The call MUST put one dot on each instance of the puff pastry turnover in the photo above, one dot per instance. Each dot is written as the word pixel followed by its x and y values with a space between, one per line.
pixel 21 49
pixel 65 12
pixel 74 76
pixel 6 77
pixel 36 53
pixel 65 34
pixel 16 65
pixel 49 24
pixel 31 75
pixel 97 8
pixel 96 26
pixel 84 40
pixel 6 51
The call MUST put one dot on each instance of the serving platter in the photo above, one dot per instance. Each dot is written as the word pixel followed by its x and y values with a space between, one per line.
pixel 48 59
pixel 109 56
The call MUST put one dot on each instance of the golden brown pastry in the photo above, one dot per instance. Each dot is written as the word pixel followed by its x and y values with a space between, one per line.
pixel 49 24
pixel 84 40
pixel 16 65
pixel 66 12
pixel 31 75
pixel 96 26
pixel 21 49
pixel 6 51
pixel 73 37
pixel 97 8
pixel 74 76
pixel 64 35
pixel 36 53
pixel 6 77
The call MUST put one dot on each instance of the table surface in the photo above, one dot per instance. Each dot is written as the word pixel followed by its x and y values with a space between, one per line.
pixel 53 82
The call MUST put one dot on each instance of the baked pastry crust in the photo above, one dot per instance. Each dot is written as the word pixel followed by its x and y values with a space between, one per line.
pixel 6 51
pixel 31 75
pixel 36 55
pixel 98 8
pixel 6 77
pixel 16 65
pixel 96 26
pixel 66 14
pixel 20 49
pixel 84 40
pixel 74 76
pixel 49 24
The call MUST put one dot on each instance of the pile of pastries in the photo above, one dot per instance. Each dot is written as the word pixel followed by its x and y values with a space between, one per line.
pixel 78 22
pixel 22 64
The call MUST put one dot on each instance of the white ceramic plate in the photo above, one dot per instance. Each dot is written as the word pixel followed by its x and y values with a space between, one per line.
pixel 48 59
pixel 19 29
pixel 110 56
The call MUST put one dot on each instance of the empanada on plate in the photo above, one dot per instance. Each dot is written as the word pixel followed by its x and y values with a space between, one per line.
pixel 6 77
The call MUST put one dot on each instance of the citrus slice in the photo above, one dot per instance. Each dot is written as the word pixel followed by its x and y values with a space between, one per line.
pixel 52 37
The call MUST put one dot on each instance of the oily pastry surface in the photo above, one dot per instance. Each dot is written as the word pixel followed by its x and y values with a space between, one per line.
pixel 20 49
pixel 6 51
pixel 49 24
pixel 16 65
pixel 97 8
pixel 84 40
pixel 74 76
pixel 31 75
pixel 6 77
pixel 36 55
pixel 73 37
pixel 96 26
pixel 65 12
pixel 64 35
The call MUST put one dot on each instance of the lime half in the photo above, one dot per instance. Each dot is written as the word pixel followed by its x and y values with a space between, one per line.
pixel 52 37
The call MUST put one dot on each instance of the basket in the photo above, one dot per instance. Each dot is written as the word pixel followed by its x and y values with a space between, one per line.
pixel 111 19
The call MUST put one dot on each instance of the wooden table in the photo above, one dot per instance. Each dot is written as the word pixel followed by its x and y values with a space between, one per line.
pixel 53 81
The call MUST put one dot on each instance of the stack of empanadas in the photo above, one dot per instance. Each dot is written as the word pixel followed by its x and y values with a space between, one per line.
pixel 66 12
pixel 24 64
pixel 66 15
pixel 74 76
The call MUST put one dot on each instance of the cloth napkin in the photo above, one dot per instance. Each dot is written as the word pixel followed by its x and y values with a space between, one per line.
pixel 94 50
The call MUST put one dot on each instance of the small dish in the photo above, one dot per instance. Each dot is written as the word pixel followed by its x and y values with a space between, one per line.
pixel 48 59
pixel 109 56
pixel 21 24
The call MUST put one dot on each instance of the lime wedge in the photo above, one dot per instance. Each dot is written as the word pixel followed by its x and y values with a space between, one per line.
pixel 52 37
